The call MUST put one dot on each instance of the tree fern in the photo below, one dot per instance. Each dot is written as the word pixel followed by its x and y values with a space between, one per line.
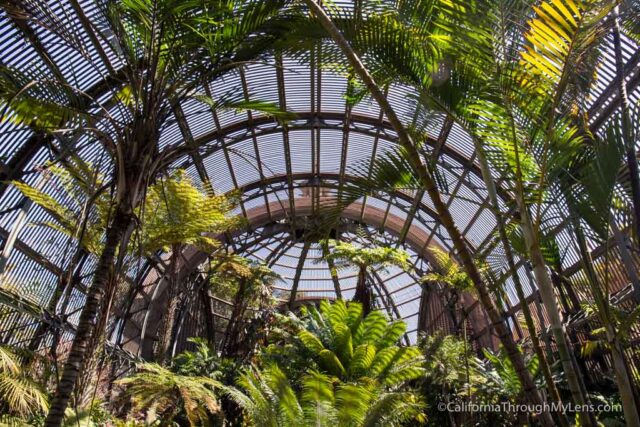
pixel 157 389
pixel 177 212
pixel 343 255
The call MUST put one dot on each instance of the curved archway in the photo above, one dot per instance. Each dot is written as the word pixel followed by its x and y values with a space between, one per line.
pixel 274 221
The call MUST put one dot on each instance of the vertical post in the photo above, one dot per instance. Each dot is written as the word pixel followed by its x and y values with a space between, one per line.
pixel 16 228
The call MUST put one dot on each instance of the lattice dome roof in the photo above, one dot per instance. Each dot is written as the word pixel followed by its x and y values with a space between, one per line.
pixel 284 174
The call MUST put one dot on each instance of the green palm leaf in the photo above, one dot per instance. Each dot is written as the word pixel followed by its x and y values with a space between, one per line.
pixel 331 363
pixel 21 395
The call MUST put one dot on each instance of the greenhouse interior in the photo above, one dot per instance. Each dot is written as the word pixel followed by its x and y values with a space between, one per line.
pixel 319 213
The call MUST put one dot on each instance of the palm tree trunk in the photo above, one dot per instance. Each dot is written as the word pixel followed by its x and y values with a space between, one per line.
pixel 629 407
pixel 540 315
pixel 122 220
pixel 627 260
pixel 95 350
pixel 535 342
pixel 631 415
pixel 553 311
pixel 632 161
pixel 165 330
pixel 531 237
pixel 413 156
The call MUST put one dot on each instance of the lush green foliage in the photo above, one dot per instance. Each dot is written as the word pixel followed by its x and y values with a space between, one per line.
pixel 355 373
pixel 448 271
pixel 350 346
pixel 230 270
pixel 622 320
pixel 164 394
pixel 345 254
pixel 271 400
pixel 79 205
pixel 20 394
pixel 498 379
pixel 340 254
pixel 446 359
pixel 454 373
pixel 515 76
pixel 203 361
pixel 176 212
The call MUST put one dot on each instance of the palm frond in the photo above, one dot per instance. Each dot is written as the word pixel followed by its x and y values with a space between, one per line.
pixel 22 395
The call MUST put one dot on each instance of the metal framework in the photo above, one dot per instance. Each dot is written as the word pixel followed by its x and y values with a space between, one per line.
pixel 286 174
